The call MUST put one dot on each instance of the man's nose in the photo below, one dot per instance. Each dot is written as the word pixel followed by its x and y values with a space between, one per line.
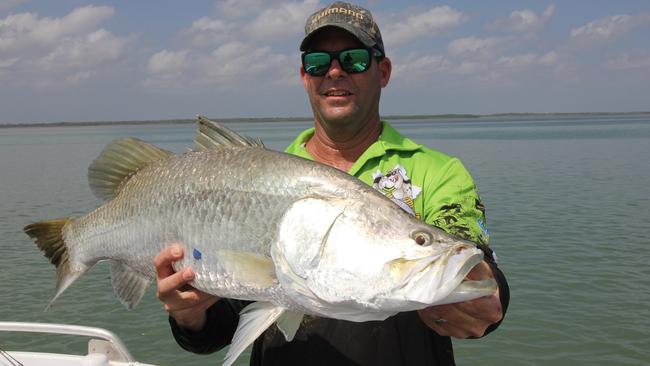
pixel 335 71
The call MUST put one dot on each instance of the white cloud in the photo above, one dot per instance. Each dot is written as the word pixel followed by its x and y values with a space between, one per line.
pixel 233 46
pixel 265 23
pixel 522 21
pixel 608 28
pixel 209 32
pixel 229 66
pixel 470 67
pixel 78 77
pixel 415 67
pixel 167 62
pixel 6 63
pixel 237 60
pixel 88 51
pixel 476 47
pixel 421 69
pixel 240 8
pixel 42 52
pixel 281 22
pixel 518 60
pixel 551 58
pixel 630 60
pixel 423 24
pixel 529 60
pixel 20 31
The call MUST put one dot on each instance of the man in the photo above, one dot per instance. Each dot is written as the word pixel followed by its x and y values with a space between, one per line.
pixel 344 68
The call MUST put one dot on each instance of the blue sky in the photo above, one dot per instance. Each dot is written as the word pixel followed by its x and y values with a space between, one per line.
pixel 72 60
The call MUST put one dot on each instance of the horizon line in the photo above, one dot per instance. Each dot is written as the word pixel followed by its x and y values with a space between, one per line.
pixel 307 119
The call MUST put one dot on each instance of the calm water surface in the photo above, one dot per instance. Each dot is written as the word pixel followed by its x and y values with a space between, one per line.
pixel 568 207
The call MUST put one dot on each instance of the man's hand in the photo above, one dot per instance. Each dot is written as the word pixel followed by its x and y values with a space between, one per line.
pixel 466 319
pixel 185 304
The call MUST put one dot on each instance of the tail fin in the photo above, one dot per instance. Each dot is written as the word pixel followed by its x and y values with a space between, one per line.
pixel 49 239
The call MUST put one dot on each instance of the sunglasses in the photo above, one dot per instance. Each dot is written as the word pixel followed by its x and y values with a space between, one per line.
pixel 352 60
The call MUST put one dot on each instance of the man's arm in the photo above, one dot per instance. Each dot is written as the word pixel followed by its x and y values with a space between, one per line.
pixel 220 326
pixel 453 204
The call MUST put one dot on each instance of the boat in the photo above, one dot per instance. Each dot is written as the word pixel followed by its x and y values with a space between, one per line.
pixel 104 347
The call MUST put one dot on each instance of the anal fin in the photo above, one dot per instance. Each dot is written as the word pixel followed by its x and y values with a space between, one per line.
pixel 129 286
pixel 288 323
pixel 254 319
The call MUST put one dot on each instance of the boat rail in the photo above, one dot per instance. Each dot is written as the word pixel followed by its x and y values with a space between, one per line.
pixel 117 351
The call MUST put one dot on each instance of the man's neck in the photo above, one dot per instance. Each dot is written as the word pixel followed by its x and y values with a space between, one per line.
pixel 339 152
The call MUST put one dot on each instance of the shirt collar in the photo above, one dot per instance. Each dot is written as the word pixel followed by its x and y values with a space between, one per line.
pixel 390 139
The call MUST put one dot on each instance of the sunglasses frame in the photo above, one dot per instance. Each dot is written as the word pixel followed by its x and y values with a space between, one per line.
pixel 372 53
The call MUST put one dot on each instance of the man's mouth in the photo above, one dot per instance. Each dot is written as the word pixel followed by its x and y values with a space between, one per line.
pixel 337 93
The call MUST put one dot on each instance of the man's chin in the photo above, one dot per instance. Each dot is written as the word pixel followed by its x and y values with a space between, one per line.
pixel 339 114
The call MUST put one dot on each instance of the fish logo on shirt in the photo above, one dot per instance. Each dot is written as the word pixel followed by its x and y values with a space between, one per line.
pixel 397 186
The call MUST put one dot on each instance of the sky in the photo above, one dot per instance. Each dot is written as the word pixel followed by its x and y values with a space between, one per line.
pixel 71 60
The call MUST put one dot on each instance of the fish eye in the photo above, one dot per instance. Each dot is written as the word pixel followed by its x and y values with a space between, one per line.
pixel 422 238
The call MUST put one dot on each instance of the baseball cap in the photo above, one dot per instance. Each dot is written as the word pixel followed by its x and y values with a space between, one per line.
pixel 352 18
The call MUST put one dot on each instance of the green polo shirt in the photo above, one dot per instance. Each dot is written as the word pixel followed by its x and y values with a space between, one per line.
pixel 433 186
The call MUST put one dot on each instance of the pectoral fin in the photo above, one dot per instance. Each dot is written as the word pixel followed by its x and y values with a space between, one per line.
pixel 253 321
pixel 248 268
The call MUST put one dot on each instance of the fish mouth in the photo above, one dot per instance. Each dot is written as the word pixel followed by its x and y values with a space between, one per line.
pixel 440 279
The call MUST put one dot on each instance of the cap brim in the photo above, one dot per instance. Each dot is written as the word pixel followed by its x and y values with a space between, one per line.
pixel 358 34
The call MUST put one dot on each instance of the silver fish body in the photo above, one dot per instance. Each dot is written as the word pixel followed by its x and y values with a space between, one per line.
pixel 290 234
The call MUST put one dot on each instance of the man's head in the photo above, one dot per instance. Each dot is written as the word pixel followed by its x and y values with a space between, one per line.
pixel 344 68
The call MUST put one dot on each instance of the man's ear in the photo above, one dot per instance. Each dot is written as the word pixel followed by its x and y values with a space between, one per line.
pixel 385 68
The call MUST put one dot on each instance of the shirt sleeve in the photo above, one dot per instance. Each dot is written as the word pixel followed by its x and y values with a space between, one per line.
pixel 221 323
pixel 453 204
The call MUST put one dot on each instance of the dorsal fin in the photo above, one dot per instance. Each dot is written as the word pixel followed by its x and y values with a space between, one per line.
pixel 211 134
pixel 118 162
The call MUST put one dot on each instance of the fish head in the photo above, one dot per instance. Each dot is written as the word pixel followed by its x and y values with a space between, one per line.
pixel 363 260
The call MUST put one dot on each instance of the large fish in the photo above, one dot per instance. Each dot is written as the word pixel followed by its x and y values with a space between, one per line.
pixel 294 236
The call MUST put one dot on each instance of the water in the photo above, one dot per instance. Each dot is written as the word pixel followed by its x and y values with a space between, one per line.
pixel 568 207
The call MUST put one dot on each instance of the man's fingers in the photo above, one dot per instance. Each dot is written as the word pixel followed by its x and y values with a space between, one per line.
pixel 464 319
pixel 189 299
pixel 486 307
pixel 163 261
pixel 456 323
pixel 168 286
pixel 481 271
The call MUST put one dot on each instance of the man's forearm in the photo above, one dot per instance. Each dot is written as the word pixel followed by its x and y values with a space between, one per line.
pixel 220 325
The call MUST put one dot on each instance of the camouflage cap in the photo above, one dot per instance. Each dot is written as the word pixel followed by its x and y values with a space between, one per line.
pixel 352 18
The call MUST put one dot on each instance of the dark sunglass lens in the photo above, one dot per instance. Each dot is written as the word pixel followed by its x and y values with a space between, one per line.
pixel 316 63
pixel 355 61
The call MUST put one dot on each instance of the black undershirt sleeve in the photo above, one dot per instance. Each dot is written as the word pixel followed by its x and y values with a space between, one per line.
pixel 500 278
pixel 221 323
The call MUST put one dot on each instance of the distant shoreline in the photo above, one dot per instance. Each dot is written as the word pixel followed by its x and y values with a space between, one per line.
pixel 307 119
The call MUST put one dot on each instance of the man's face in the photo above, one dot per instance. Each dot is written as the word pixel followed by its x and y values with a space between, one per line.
pixel 340 99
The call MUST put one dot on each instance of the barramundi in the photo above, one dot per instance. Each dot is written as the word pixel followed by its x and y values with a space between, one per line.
pixel 290 235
